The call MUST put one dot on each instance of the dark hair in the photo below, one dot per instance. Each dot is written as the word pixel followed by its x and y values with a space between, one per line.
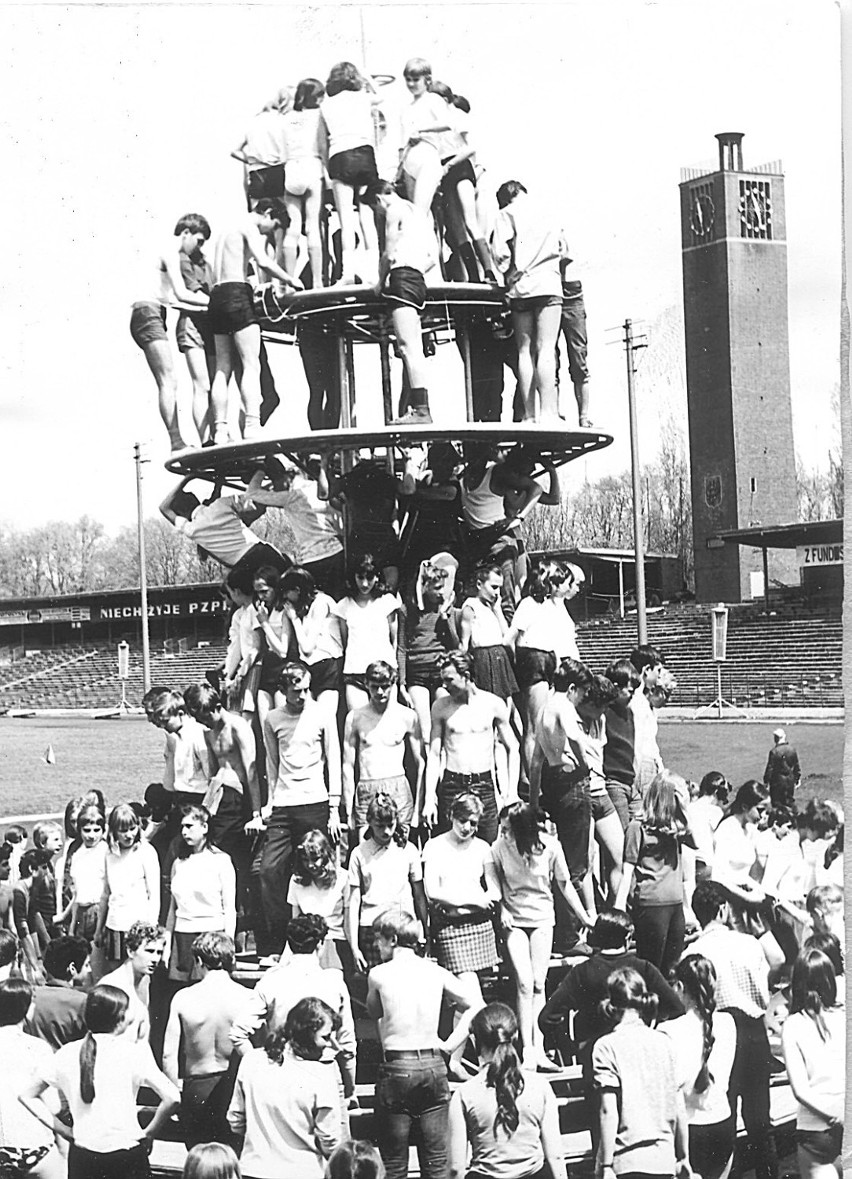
pixel 711 783
pixel 343 76
pixel 611 930
pixel 626 991
pixel 305 933
pixel 267 207
pixel 61 953
pixel 366 563
pixel 442 90
pixel 302 581
pixel 376 188
pixel 383 809
pixel 308 94
pixel 159 801
pixel 708 899
pixel 645 656
pixel 184 503
pixel 105 1008
pixel 164 700
pixel 507 192
pixel 623 674
pixel 571 673
pixel 272 577
pixel 15 833
pixel 829 945
pixel 818 817
pixel 836 848
pixel 697 976
pixel 241 580
pixel 73 807
pixel 201 698
pixel 32 860
pixel 15 997
pixel 601 692
pixel 354 1159
pixel 200 813
pixel 525 825
pixel 215 950
pixel 293 671
pixel 545 576
pixel 8 947
pixel 781 816
pixel 380 669
pixel 141 932
pixel 314 849
pixel 195 223
pixel 484 570
pixel 461 103
pixel 299 1030
pixel 462 663
pixel 495 1029
pixel 814 987
pixel 466 805
pixel 751 793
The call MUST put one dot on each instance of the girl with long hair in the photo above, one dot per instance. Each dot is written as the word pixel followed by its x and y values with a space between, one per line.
pixel 652 856
pixel 509 1118
pixel 735 849
pixel 131 884
pixel 812 1039
pixel 99 1078
pixel 276 631
pixel 203 893
pixel 642 1120
pixel 704 1041
pixel 369 624
pixel 287 1108
pixel 320 886
pixel 428 632
pixel 524 865
pixel 347 115
pixel 318 633
pixel 304 145
pixel 355 1159
pixel 243 659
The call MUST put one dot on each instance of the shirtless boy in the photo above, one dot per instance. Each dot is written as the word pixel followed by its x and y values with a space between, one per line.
pixel 374 740
pixel 405 997
pixel 408 256
pixel 464 726
pixel 230 742
pixel 148 317
pixel 232 317
pixel 199 1027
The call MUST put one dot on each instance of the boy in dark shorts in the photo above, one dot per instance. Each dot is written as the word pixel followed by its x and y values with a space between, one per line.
pixel 408 256
pixel 148 317
pixel 233 321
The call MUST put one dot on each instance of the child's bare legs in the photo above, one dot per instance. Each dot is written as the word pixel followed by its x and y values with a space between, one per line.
pixel 196 362
pixel 313 212
pixel 409 337
pixel 545 339
pixel 343 202
pixel 294 231
pixel 421 698
pixel 610 835
pixel 465 195
pixel 532 706
pixel 455 1068
pixel 529 952
pixel 523 326
pixel 219 389
pixel 369 241
pixel 247 344
pixel 423 172
pixel 158 353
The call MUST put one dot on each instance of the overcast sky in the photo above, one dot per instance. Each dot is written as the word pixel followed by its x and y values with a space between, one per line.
pixel 117 118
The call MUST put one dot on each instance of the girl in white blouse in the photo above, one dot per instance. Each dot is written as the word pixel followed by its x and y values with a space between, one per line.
pixel 204 890
pixel 131 887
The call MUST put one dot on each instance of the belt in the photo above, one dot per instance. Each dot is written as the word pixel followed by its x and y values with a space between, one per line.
pixel 469 779
pixel 413 1054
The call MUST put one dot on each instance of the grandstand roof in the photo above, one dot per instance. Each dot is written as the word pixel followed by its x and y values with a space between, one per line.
pixel 786 536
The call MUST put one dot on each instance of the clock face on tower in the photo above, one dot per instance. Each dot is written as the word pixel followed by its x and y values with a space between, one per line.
pixel 755 209
pixel 702 215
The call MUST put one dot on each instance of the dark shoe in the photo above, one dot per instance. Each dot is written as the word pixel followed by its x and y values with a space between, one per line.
pixel 419 416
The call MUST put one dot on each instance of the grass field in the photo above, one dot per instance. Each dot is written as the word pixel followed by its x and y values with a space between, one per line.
pixel 122 757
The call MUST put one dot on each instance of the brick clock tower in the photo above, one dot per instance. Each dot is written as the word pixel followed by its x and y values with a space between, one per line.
pixel 742 457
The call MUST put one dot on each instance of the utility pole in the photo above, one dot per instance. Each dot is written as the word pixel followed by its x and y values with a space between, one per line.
pixel 143 575
pixel 638 526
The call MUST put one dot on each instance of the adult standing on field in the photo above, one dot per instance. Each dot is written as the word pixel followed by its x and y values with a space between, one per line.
pixel 783 772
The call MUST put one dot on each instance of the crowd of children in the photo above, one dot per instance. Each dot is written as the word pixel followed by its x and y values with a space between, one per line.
pixel 384 857
pixel 407 220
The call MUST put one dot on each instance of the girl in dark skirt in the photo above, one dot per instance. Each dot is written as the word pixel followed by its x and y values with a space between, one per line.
pixel 484 632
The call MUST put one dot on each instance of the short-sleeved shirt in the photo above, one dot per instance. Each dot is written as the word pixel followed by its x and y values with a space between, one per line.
pixel 734 852
pixel 526 884
pixel 217 528
pixel 368 632
pixel 638 1063
pixel 546 626
pixel 32 1059
pixel 658 867
pixel 384 876
pixel 495 1154
pixel 315 524
pixel 301 758
pixel 466 869
pixel 328 903
pixel 121 1068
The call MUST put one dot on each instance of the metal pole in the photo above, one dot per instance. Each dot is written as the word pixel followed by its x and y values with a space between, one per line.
pixel 384 359
pixel 143 575
pixel 464 339
pixel 766 580
pixel 638 531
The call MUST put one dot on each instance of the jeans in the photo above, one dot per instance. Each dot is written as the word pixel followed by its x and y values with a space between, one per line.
pixel 627 800
pixel 286 828
pixel 660 932
pixel 750 1084
pixel 413 1089
pixel 482 785
pixel 565 796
